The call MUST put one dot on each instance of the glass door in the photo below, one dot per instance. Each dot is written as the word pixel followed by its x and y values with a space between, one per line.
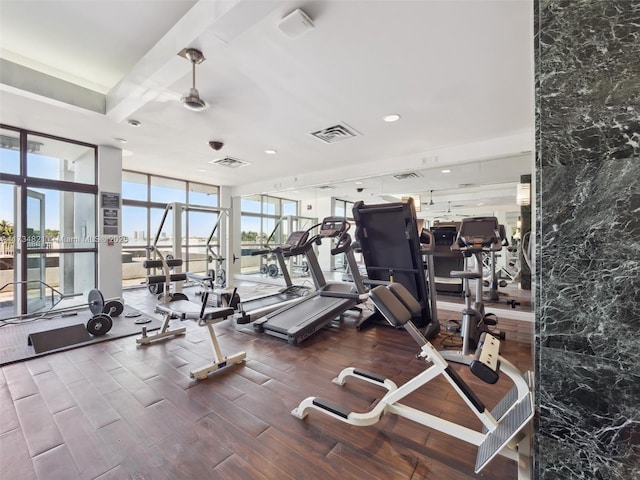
pixel 8 255
pixel 36 263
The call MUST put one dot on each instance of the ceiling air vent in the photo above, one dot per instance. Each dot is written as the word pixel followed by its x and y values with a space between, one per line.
pixel 335 134
pixel 407 176
pixel 230 162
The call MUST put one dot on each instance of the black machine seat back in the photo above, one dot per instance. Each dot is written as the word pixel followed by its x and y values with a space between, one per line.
pixel 408 300
pixel 478 234
pixel 391 307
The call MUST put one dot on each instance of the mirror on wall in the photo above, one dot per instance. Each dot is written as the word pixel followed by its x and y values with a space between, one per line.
pixel 447 194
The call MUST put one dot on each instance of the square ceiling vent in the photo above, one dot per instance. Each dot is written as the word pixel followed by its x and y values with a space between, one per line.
pixel 335 133
pixel 407 176
pixel 230 162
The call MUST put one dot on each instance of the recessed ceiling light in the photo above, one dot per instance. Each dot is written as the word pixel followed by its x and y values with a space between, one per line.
pixel 394 117
pixel 446 170
pixel 121 140
pixel 133 123
pixel 270 151
pixel 358 183
pixel 480 204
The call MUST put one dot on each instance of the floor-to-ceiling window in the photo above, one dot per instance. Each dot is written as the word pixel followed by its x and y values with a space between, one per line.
pixel 265 222
pixel 48 242
pixel 144 200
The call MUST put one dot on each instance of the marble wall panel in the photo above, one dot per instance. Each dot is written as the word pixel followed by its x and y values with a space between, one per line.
pixel 590 259
pixel 588 218
pixel 588 69
pixel 588 422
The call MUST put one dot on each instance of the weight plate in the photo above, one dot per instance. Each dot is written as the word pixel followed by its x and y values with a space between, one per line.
pixel 99 324
pixel 222 278
pixel 273 270
pixel 113 308
pixel 96 301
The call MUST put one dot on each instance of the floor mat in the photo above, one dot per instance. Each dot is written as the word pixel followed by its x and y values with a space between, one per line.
pixel 14 337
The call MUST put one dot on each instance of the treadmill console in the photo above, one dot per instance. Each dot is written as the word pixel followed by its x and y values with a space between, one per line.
pixel 333 227
pixel 479 232
pixel 296 239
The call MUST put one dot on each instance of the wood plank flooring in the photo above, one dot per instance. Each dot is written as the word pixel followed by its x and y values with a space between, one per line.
pixel 116 410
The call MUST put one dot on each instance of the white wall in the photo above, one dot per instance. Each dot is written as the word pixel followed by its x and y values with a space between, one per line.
pixel 109 256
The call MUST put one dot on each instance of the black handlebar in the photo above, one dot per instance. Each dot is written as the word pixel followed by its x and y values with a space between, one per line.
pixel 344 242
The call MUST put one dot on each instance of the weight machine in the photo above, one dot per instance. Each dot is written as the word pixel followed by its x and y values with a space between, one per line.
pixel 506 429
pixel 171 264
pixel 387 234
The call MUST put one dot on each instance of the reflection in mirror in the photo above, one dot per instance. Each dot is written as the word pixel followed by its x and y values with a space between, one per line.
pixel 450 193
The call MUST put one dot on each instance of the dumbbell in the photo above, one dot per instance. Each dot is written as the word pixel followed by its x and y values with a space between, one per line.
pixel 103 313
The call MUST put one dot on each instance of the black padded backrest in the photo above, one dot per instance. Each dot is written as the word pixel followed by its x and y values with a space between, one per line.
pixel 408 300
pixel 390 306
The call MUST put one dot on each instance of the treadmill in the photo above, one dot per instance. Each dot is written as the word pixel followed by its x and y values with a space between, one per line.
pixel 388 236
pixel 302 318
pixel 254 308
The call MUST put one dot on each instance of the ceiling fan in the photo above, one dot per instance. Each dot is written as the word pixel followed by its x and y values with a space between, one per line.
pixel 448 215
pixel 192 100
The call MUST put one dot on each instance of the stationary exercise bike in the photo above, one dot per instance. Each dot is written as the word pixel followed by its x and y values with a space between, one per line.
pixel 477 235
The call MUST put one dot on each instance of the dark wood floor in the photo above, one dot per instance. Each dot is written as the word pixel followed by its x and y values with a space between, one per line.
pixel 114 410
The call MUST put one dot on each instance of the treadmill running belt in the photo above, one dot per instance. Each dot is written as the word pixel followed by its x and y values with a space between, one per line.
pixel 299 321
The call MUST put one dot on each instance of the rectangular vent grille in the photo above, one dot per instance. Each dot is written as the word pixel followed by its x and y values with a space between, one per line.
pixel 407 176
pixel 326 187
pixel 230 162
pixel 335 134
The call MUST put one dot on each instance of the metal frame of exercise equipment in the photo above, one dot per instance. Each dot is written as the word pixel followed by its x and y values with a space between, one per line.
pixel 221 226
pixel 507 429
pixel 206 316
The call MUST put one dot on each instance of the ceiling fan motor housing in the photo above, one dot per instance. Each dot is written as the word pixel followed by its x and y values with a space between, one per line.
pixel 192 101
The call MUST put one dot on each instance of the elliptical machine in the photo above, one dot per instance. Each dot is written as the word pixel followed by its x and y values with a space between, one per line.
pixel 477 235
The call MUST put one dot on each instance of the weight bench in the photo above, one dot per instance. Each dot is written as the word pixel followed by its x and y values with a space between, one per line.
pixel 206 317
pixel 506 429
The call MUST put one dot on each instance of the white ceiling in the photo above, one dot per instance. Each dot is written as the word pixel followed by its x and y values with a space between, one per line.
pixel 460 73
